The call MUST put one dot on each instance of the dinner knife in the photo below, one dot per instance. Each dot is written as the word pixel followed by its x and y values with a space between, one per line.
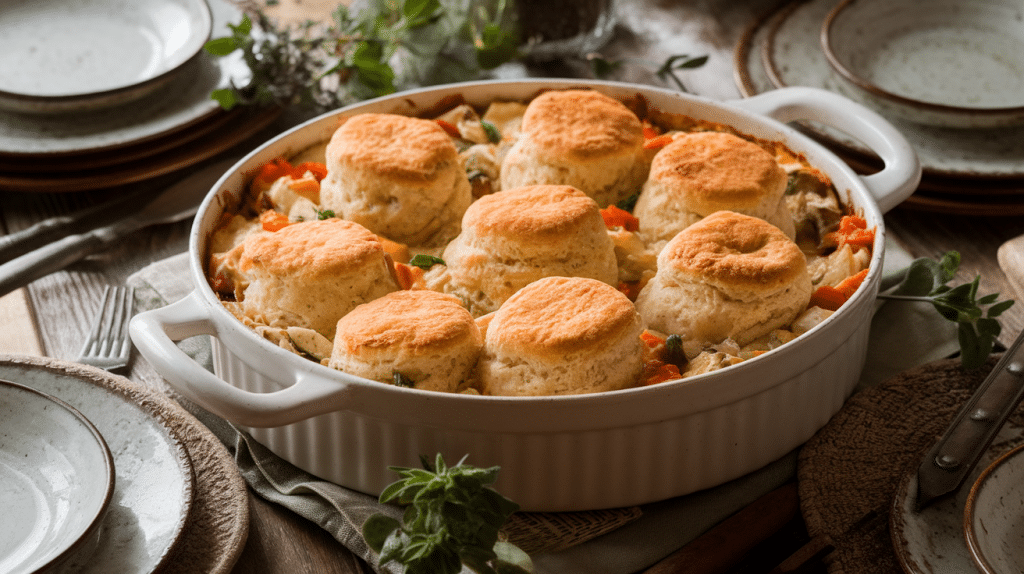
pixel 179 201
pixel 946 466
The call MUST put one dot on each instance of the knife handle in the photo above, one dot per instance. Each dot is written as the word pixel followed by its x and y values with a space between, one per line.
pixel 52 257
pixel 20 242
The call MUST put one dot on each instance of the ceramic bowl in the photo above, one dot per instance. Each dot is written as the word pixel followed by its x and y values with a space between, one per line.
pixel 950 63
pixel 88 55
pixel 56 481
pixel 557 453
pixel 994 516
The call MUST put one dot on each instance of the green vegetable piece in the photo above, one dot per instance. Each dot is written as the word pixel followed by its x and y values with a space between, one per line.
pixel 324 214
pixel 493 133
pixel 424 261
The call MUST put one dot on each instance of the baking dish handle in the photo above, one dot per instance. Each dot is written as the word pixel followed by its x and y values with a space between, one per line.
pixel 154 333
pixel 901 173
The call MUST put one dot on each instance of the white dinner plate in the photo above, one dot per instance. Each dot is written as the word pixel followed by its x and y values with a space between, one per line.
pixel 56 481
pixel 183 101
pixel 154 481
pixel 60 56
pixel 789 46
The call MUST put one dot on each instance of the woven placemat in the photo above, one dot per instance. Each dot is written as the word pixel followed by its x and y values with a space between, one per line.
pixel 852 467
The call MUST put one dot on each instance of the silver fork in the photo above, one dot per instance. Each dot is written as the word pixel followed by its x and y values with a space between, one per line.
pixel 108 345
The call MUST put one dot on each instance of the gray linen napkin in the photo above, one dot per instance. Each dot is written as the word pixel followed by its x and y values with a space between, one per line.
pixel 903 335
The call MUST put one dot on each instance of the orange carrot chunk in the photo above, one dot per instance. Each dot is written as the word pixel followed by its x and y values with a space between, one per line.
pixel 616 217
pixel 658 142
pixel 273 220
pixel 449 128
pixel 849 285
pixel 828 298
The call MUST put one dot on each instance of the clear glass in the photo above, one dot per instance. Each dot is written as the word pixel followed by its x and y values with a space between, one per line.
pixel 553 29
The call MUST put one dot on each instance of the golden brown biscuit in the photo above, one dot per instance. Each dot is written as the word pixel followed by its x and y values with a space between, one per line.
pixel 727 276
pixel 312 273
pixel 562 336
pixel 400 177
pixel 704 172
pixel 580 138
pixel 512 238
pixel 426 337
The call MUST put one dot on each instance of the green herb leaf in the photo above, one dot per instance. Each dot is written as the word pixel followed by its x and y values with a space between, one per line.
pixel 225 97
pixel 424 261
pixel 221 46
pixel 322 214
pixel 601 67
pixel 680 62
pixel 420 13
pixel 977 329
pixel 371 69
pixel 453 518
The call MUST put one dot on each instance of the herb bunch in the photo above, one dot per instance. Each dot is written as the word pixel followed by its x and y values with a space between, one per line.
pixel 977 327
pixel 452 518
pixel 377 47
pixel 376 50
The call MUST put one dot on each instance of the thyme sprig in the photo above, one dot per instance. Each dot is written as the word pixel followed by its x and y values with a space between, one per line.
pixel 452 518
pixel 927 280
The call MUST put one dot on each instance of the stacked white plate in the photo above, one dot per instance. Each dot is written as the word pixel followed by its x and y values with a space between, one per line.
pixel 100 93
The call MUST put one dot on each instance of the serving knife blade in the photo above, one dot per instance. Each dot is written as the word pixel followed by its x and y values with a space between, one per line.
pixel 178 201
pixel 947 464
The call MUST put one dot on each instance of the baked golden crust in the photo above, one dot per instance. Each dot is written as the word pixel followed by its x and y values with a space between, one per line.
pixel 728 248
pixel 532 212
pixel 556 316
pixel 562 336
pixel 579 138
pixel 581 125
pixel 392 146
pixel 406 321
pixel 312 249
pixel 426 337
pixel 714 171
pixel 514 237
pixel 400 177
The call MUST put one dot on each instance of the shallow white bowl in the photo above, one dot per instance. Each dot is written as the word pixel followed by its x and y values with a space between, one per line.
pixel 951 63
pixel 58 56
pixel 994 516
pixel 56 481
pixel 557 453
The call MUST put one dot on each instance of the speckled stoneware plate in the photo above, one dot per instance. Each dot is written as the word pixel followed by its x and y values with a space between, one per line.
pixel 960 63
pixel 61 56
pixel 932 541
pixel 56 481
pixel 183 101
pixel 154 480
pixel 785 50
pixel 218 520
pixel 994 516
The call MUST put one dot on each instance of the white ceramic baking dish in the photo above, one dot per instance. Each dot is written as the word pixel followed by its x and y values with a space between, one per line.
pixel 557 453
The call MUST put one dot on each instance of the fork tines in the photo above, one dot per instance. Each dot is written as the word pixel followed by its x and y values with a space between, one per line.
pixel 108 345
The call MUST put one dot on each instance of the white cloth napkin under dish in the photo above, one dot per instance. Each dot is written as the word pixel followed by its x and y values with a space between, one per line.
pixel 903 335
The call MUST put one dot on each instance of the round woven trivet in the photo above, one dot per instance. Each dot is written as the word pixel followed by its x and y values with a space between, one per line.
pixel 852 467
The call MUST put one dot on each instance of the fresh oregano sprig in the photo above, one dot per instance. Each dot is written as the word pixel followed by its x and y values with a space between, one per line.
pixel 927 280
pixel 452 518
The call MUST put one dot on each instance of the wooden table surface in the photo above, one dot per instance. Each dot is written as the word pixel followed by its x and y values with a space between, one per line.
pixel 50 316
